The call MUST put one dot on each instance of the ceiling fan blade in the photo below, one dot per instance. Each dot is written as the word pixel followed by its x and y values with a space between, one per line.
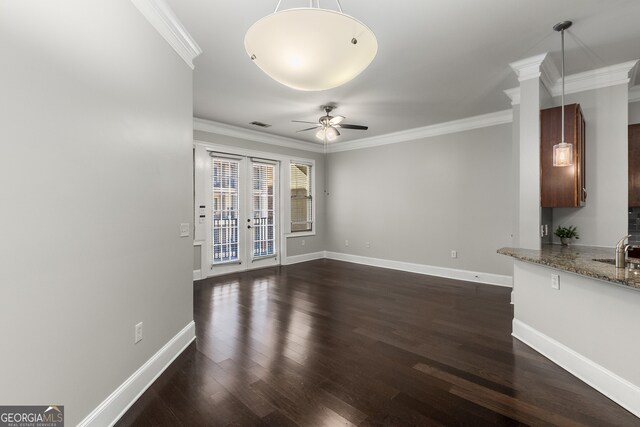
pixel 300 121
pixel 336 120
pixel 357 127
pixel 304 130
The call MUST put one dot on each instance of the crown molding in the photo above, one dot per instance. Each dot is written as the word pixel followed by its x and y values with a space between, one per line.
pixel 160 15
pixel 469 123
pixel 633 74
pixel 528 68
pixel 634 94
pixel 595 79
pixel 549 75
pixel 580 82
pixel 514 95
pixel 475 122
pixel 255 136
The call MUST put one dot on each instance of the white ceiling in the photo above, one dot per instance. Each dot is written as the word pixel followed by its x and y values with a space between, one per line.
pixel 437 61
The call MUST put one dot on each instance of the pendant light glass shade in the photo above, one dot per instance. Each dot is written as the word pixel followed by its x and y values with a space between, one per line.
pixel 310 49
pixel 562 154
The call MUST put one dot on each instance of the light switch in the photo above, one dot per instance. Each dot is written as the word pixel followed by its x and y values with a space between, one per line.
pixel 555 281
pixel 184 230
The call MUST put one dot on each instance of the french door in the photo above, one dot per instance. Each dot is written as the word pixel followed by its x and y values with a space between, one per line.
pixel 243 222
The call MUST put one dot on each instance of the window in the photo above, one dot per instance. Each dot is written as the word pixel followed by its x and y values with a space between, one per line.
pixel 301 198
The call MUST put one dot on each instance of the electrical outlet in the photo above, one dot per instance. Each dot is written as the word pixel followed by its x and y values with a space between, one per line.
pixel 367 244
pixel 138 333
pixel 544 230
pixel 346 243
pixel 184 229
pixel 302 242
pixel 555 281
pixel 454 254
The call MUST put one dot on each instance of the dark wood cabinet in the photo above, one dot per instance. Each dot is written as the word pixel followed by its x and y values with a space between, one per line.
pixel 634 166
pixel 562 187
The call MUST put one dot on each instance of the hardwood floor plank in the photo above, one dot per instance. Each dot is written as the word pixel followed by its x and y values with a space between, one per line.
pixel 305 411
pixel 498 402
pixel 276 418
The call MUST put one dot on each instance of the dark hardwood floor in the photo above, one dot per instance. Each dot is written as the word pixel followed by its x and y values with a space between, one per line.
pixel 328 343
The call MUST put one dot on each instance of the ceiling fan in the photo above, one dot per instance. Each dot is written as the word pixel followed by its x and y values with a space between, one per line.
pixel 328 125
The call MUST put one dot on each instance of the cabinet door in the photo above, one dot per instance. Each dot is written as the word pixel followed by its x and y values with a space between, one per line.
pixel 560 187
pixel 634 166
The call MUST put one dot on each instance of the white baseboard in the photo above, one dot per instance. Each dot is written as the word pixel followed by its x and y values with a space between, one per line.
pixel 451 273
pixel 197 275
pixel 304 257
pixel 114 406
pixel 606 382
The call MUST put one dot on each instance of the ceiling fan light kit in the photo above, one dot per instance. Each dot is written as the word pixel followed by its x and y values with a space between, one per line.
pixel 328 125
pixel 311 49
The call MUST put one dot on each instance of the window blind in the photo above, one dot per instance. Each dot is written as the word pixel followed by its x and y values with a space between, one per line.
pixel 301 197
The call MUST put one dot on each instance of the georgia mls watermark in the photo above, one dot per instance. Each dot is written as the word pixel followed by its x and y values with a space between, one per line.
pixel 32 416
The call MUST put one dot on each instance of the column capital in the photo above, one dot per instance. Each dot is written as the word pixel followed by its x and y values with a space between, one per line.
pixel 529 68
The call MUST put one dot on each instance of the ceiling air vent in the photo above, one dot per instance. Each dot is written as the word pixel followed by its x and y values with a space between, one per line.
pixel 262 125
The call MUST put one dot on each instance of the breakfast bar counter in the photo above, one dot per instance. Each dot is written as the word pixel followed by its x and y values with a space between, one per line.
pixel 575 307
pixel 595 262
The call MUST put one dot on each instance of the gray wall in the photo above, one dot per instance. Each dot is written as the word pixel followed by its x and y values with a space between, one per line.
pixel 294 244
pixel 634 113
pixel 417 201
pixel 95 165
pixel 603 220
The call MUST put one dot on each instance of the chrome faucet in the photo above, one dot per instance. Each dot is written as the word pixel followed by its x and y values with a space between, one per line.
pixel 621 252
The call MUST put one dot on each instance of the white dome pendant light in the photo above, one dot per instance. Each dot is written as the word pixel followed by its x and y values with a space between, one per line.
pixel 311 48
pixel 562 152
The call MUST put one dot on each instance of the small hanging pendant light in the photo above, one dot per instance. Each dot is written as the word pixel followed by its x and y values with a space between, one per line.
pixel 562 152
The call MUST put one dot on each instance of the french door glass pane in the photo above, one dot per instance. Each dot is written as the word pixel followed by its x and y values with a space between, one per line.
pixel 263 210
pixel 225 215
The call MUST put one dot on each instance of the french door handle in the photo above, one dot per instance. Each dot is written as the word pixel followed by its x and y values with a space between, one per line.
pixel 248 226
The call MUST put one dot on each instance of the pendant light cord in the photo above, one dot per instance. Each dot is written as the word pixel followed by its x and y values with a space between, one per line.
pixel 562 38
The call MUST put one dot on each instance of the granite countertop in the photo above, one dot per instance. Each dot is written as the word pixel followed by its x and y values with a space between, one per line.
pixel 580 260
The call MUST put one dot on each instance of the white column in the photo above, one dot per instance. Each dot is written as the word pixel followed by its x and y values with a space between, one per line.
pixel 528 148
